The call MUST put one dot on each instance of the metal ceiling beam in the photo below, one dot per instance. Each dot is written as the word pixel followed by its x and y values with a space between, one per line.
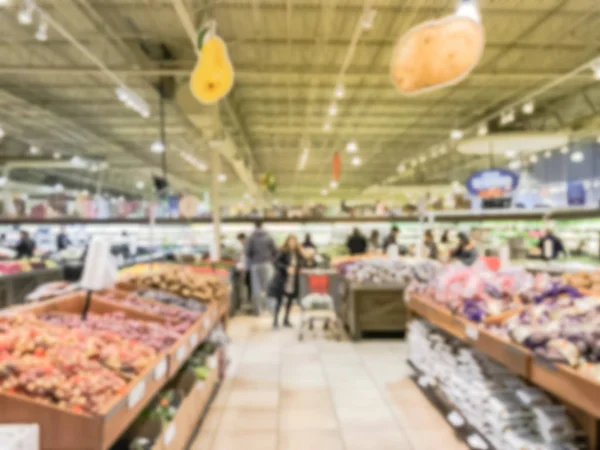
pixel 268 71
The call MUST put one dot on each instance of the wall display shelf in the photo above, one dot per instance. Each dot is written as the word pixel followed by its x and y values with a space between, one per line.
pixel 580 393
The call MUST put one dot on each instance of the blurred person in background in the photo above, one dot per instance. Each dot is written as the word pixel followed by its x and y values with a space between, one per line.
pixel 431 248
pixel 390 243
pixel 62 240
pixel 551 246
pixel 241 276
pixel 308 243
pixel 285 282
pixel 373 243
pixel 465 252
pixel 356 243
pixel 260 253
pixel 445 247
pixel 25 247
pixel 3 241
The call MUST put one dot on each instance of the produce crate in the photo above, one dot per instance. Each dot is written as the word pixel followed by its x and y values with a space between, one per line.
pixel 373 308
pixel 188 342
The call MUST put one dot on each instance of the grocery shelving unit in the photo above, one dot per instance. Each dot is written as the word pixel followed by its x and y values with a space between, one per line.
pixel 65 430
pixel 580 394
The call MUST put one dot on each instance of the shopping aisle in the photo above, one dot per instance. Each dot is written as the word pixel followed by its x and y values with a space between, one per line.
pixel 284 395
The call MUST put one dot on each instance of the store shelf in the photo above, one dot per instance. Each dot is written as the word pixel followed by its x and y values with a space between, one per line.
pixel 65 430
pixel 557 379
pixel 462 428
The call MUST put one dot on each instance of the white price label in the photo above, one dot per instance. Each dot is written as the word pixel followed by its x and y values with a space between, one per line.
pixel 194 340
pixel 200 385
pixel 206 322
pixel 160 370
pixel 169 433
pixel 212 362
pixel 181 351
pixel 476 442
pixel 136 394
pixel 472 332
pixel 455 419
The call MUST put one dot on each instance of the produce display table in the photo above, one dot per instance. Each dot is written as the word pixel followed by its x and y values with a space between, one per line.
pixel 581 394
pixel 555 267
pixel 61 429
pixel 14 288
pixel 372 308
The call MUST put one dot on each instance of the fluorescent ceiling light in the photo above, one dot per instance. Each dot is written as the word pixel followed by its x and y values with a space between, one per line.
pixel 528 108
pixel 326 126
pixel 514 165
pixel 533 159
pixel 422 159
pixel 456 134
pixel 59 187
pixel 507 117
pixel 198 164
pixel 3 181
pixel 339 91
pixel 323 191
pixel 140 185
pixel 356 161
pixel 303 158
pixel 34 150
pixel 56 155
pixel 2 133
pixel 42 32
pixel 332 109
pixel 547 154
pixel 133 101
pixel 577 157
pixel 510 154
pixel 368 18
pixel 401 168
pixel 352 147
pixel 222 178
pixel 482 130
pixel 564 150
pixel 468 9
pixel 333 184
pixel 157 147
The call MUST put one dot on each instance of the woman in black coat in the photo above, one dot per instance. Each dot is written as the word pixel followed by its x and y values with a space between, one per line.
pixel 285 281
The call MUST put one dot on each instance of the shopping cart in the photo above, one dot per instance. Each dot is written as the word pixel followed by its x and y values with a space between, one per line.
pixel 318 299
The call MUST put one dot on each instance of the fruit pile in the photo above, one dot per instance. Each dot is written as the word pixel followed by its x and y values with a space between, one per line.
pixel 77 369
pixel 180 281
pixel 151 334
pixel 171 299
pixel 178 319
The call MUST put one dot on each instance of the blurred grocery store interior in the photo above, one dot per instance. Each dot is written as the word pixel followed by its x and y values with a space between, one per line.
pixel 299 224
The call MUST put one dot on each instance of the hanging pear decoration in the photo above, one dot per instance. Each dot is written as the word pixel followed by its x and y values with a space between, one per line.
pixel 336 167
pixel 438 53
pixel 212 78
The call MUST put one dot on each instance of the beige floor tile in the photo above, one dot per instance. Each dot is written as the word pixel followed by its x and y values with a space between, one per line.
pixel 364 398
pixel 253 383
pixel 307 419
pixel 253 398
pixel 315 398
pixel 366 418
pixel 315 440
pixel 432 438
pixel 204 440
pixel 213 419
pixel 421 418
pixel 382 439
pixel 249 419
pixel 245 440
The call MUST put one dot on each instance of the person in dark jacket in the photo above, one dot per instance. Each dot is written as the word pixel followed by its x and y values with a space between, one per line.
pixel 551 246
pixel 356 243
pixel 430 246
pixel 285 282
pixel 25 247
pixel 392 239
pixel 260 252
pixel 62 241
pixel 308 243
pixel 466 251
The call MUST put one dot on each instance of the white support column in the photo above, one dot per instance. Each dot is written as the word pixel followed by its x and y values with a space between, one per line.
pixel 215 202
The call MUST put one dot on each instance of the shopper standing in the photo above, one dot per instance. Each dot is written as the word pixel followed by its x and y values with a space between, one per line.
pixel 240 275
pixel 431 248
pixel 62 240
pixel 356 243
pixel 392 240
pixel 551 246
pixel 285 282
pixel 25 247
pixel 466 251
pixel 260 253
pixel 373 243
pixel 308 243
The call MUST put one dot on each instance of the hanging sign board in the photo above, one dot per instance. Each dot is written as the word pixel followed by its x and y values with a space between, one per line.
pixel 492 183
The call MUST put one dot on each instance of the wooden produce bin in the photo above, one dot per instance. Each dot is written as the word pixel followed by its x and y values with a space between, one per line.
pixel 373 308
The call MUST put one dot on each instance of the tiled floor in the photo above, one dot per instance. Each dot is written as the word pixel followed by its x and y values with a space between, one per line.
pixel 281 394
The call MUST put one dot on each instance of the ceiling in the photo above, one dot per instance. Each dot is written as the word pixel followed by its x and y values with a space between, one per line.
pixel 288 55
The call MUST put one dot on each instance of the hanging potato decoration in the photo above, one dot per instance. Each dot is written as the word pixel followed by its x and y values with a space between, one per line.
pixel 337 167
pixel 268 182
pixel 438 53
pixel 212 77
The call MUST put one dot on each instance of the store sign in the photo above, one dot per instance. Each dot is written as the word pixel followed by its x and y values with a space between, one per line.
pixel 492 183
pixel 575 193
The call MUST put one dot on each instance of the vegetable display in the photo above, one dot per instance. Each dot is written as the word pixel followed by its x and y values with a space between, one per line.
pixel 178 319
pixel 384 271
